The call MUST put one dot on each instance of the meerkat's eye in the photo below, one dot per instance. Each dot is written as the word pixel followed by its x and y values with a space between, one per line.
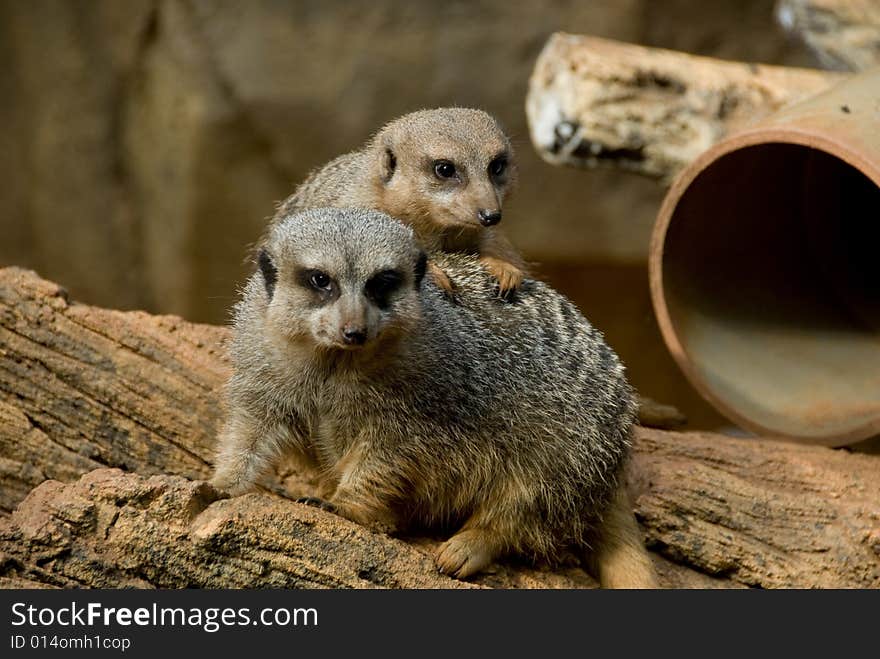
pixel 319 280
pixel 380 286
pixel 444 169
pixel 498 166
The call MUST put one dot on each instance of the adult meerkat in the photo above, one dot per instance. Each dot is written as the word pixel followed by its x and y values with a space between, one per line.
pixel 507 421
pixel 444 172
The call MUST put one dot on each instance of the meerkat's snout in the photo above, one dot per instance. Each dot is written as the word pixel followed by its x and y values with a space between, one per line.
pixel 354 335
pixel 489 217
pixel 352 320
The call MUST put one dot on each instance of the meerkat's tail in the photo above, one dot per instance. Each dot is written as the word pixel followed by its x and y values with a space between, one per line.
pixel 620 559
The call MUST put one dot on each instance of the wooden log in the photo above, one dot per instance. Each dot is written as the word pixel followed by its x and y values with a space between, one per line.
pixel 112 529
pixel 844 35
pixel 82 387
pixel 760 512
pixel 595 102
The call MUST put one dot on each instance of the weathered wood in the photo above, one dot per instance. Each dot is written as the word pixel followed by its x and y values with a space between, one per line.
pixel 82 387
pixel 844 35
pixel 718 513
pixel 760 512
pixel 595 102
pixel 112 529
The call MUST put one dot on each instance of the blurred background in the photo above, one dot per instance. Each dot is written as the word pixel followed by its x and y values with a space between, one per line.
pixel 144 144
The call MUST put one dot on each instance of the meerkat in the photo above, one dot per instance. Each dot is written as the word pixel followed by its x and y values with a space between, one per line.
pixel 444 172
pixel 506 422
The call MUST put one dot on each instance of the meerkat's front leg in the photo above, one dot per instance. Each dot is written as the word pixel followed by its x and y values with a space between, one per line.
pixel 502 261
pixel 508 276
pixel 246 450
pixel 365 491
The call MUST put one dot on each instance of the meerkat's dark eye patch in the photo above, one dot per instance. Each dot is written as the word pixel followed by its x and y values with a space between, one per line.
pixel 444 169
pixel 381 285
pixel 498 167
pixel 269 271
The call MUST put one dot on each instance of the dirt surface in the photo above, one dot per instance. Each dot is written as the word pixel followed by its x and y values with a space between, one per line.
pixel 106 434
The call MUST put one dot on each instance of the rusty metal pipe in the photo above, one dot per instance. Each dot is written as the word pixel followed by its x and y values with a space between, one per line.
pixel 765 269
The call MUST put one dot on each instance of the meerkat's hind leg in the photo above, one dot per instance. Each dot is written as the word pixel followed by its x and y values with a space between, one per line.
pixel 365 493
pixel 620 559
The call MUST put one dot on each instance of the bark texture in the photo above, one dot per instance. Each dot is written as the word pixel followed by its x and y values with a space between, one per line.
pixel 89 395
pixel 83 387
pixel 596 102
pixel 844 35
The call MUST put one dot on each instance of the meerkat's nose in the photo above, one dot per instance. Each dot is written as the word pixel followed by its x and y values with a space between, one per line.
pixel 489 217
pixel 354 335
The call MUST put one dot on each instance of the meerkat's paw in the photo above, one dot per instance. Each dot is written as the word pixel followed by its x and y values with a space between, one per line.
pixel 444 283
pixel 375 525
pixel 374 517
pixel 227 487
pixel 466 553
pixel 509 277
pixel 317 502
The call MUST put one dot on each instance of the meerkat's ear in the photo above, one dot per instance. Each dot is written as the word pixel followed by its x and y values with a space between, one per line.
pixel 421 267
pixel 269 271
pixel 387 163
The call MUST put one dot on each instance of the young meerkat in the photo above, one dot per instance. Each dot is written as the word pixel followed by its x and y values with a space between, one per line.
pixel 508 422
pixel 444 172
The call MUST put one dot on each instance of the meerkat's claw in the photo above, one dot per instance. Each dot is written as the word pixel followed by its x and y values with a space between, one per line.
pixel 442 280
pixel 509 282
pixel 464 554
pixel 508 276
pixel 317 502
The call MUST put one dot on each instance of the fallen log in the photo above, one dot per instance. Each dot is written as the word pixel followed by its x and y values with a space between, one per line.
pixel 112 529
pixel 595 102
pixel 82 389
pixel 844 35
pixel 760 512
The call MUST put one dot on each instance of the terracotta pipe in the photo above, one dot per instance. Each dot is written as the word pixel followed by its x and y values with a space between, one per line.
pixel 765 269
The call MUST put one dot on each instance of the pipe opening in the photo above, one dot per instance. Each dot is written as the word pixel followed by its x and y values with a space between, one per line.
pixel 771 280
